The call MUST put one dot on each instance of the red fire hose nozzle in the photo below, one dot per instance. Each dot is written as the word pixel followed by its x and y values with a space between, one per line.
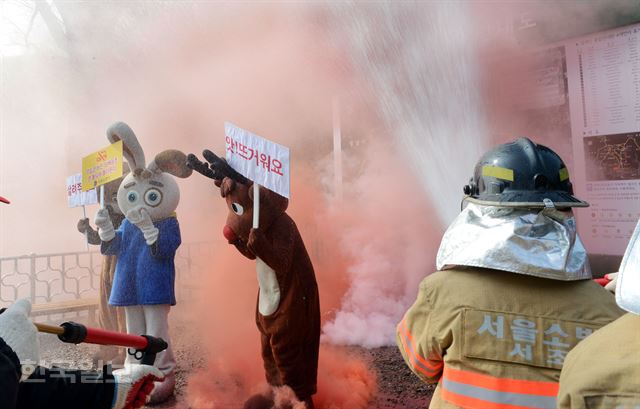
pixel 146 347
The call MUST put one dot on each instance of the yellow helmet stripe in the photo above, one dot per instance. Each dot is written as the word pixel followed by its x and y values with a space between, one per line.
pixel 498 172
pixel 564 174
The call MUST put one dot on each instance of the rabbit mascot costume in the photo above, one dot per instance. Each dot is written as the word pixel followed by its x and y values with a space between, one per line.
pixel 146 243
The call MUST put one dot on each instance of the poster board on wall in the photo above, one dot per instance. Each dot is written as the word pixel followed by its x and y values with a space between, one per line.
pixel 603 76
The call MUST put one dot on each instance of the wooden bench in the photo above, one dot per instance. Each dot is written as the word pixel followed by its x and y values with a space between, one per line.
pixel 61 307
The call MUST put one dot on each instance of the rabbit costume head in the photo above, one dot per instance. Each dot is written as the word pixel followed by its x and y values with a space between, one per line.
pixel 151 187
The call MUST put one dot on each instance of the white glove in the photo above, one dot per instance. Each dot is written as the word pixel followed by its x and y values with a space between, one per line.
pixel 20 334
pixel 611 286
pixel 141 218
pixel 134 384
pixel 104 225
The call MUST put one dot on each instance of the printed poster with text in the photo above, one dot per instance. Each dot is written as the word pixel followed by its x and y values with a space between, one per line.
pixel 603 73
pixel 102 166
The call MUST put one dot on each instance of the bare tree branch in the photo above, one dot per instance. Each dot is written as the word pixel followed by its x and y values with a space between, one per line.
pixel 55 26
pixel 30 27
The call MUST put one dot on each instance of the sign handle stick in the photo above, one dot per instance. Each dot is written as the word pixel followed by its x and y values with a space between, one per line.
pixel 337 151
pixel 256 205
pixel 86 232
pixel 102 196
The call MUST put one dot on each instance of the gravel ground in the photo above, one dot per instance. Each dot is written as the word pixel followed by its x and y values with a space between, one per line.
pixel 397 386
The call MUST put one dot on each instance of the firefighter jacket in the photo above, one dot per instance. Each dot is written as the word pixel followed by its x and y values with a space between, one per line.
pixel 494 340
pixel 604 371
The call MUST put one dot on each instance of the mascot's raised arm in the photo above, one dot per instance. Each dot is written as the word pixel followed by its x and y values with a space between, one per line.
pixel 288 308
pixel 146 243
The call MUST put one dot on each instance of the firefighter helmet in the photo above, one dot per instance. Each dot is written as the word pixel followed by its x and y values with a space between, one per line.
pixel 521 174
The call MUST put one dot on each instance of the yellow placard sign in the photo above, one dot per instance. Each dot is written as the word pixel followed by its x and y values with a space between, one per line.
pixel 102 166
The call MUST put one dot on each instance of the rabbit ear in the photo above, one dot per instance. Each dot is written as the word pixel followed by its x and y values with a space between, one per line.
pixel 171 161
pixel 131 149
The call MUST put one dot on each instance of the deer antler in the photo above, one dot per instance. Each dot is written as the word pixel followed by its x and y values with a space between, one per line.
pixel 194 163
pixel 217 169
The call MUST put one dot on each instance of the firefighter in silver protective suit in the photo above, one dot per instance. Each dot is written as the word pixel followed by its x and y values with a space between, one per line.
pixel 513 294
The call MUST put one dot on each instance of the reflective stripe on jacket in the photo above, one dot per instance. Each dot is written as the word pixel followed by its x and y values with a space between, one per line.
pixel 430 368
pixel 472 390
pixel 497 340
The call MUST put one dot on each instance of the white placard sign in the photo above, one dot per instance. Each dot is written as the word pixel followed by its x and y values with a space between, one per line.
pixel 75 195
pixel 264 162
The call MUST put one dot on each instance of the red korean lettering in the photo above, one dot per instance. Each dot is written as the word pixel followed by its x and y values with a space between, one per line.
pixel 276 167
pixel 232 145
pixel 244 152
pixel 265 161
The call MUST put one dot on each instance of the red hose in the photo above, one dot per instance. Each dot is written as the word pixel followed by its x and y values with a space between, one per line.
pixel 102 337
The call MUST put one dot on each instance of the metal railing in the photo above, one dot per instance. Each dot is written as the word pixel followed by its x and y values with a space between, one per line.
pixel 50 277
pixel 46 278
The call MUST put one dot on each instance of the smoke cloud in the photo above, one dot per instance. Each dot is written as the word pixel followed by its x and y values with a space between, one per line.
pixel 418 107
pixel 389 232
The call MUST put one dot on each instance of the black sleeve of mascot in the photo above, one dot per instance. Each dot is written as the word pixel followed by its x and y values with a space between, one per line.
pixel 9 376
pixel 58 388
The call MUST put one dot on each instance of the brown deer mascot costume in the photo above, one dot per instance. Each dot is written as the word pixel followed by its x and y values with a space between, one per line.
pixel 288 308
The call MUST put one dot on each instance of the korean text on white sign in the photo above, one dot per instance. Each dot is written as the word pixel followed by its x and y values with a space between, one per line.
pixel 264 162
pixel 75 195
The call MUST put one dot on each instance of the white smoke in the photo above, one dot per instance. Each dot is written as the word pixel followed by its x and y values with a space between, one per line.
pixel 419 60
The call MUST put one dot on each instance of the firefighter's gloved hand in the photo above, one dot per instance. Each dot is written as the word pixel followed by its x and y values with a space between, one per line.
pixel 104 225
pixel 134 384
pixel 20 334
pixel 611 286
pixel 142 219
